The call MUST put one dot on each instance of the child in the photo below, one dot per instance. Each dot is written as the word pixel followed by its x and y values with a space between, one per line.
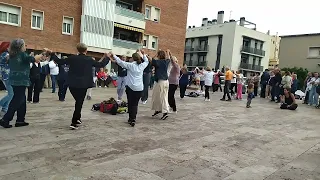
pixel 250 93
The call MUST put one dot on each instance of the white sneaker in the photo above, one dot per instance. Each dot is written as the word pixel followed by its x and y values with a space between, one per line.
pixel 208 100
pixel 99 86
pixel 144 102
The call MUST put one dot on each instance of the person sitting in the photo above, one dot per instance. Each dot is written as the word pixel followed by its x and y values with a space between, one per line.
pixel 288 100
pixel 113 75
pixel 102 78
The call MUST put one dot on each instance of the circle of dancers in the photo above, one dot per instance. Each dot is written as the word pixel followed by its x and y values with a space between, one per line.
pixel 21 71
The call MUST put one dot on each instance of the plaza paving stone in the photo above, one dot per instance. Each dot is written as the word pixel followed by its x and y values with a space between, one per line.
pixel 204 141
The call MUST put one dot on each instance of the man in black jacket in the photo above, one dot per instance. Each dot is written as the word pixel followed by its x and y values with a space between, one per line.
pixel 80 77
pixel 276 86
pixel 264 81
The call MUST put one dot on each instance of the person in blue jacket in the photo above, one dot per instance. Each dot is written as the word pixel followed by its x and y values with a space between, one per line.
pixel 4 70
pixel 184 81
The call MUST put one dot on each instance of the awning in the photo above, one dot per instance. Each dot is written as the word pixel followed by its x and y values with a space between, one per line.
pixel 128 27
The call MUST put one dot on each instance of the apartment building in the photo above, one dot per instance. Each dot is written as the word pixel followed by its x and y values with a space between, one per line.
pixel 301 50
pixel 220 43
pixel 274 51
pixel 122 26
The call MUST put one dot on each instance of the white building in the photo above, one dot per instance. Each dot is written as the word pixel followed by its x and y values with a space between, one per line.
pixel 220 43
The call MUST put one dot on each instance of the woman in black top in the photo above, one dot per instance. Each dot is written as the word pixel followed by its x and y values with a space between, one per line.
pixel 288 100
pixel 80 77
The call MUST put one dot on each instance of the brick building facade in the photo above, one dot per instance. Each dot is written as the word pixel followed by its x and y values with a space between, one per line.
pixel 18 19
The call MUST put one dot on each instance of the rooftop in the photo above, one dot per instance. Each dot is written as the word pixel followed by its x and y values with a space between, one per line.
pixel 300 35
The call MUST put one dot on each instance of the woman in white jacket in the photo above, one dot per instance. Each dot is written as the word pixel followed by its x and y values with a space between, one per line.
pixel 134 82
pixel 54 72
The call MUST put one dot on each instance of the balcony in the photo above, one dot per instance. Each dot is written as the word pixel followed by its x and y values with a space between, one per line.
pixel 129 17
pixel 254 51
pixel 196 63
pixel 251 67
pixel 126 44
pixel 196 49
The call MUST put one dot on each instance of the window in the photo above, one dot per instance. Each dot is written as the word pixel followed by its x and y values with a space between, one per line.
pixel 67 26
pixel 148 12
pixel 124 5
pixel 256 45
pixel 261 46
pixel 259 62
pixel 37 20
pixel 145 41
pixel 10 14
pixel 156 15
pixel 254 61
pixel 154 43
pixel 314 52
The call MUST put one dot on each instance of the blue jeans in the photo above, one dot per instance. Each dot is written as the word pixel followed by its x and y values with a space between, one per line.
pixel 121 87
pixel 18 104
pixel 313 96
pixel 54 80
pixel 5 101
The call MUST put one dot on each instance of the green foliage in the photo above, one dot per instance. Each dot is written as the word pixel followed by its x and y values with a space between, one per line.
pixel 301 74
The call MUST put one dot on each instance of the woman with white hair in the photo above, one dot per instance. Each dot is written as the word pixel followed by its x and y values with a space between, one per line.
pixel 19 64
pixel 173 81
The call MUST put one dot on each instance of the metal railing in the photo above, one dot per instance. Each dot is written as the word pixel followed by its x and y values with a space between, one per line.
pixel 253 50
pixel 129 13
pixel 196 63
pixel 126 44
pixel 251 67
pixel 197 49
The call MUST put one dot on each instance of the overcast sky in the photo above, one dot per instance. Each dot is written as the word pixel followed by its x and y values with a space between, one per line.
pixel 283 16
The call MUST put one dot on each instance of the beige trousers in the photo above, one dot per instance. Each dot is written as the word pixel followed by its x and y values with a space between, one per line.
pixel 160 96
pixel 47 82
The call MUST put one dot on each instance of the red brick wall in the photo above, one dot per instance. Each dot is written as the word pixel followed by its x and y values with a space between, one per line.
pixel 171 29
pixel 51 36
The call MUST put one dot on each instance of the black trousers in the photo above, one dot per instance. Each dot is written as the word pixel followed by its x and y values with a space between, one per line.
pixel 146 82
pixel 171 99
pixel 286 106
pixel 63 86
pixel 42 79
pixel 34 88
pixel 201 85
pixel 78 94
pixel 206 92
pixel 17 104
pixel 105 82
pixel 133 102
pixel 306 99
pixel 226 89
pixel 233 88
pixel 255 91
pixel 183 89
pixel 263 90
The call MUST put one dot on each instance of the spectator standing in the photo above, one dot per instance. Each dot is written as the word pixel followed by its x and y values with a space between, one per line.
pixel 264 82
pixel 54 72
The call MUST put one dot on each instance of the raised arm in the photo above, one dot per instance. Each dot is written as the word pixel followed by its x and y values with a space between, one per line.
pixel 103 61
pixel 59 61
pixel 121 63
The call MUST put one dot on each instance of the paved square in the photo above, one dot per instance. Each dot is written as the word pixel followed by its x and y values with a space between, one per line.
pixel 204 141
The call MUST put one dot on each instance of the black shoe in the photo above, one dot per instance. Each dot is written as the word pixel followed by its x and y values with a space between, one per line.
pixel 5 124
pixel 229 100
pixel 132 123
pixel 21 124
pixel 156 113
pixel 165 116
pixel 74 126
pixel 272 100
pixel 79 122
pixel 222 99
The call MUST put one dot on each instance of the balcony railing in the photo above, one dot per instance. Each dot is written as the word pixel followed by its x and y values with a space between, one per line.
pixel 196 63
pixel 253 50
pixel 251 67
pixel 129 13
pixel 197 49
pixel 126 44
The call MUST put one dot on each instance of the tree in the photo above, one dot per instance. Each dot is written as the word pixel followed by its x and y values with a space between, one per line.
pixel 301 74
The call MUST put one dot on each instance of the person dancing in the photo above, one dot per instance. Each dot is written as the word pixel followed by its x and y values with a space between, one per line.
pixel 134 82
pixel 80 78
pixel 19 64
pixel 160 90
pixel 173 82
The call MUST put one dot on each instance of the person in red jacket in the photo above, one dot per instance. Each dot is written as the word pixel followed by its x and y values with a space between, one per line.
pixel 102 78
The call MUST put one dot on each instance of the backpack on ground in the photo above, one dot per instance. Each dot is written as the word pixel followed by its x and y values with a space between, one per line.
pixel 96 107
pixel 110 106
